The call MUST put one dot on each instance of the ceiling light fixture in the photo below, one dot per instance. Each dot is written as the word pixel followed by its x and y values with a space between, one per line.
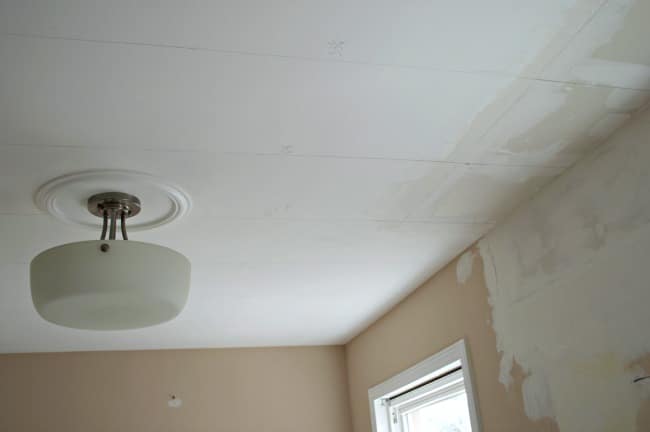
pixel 110 284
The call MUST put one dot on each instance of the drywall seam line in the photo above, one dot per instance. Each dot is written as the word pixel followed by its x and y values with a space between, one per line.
pixel 574 35
pixel 431 221
pixel 243 262
pixel 311 59
pixel 280 155
pixel 447 183
pixel 379 158
pixel 249 53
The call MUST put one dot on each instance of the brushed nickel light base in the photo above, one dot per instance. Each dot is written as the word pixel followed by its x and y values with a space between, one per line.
pixel 99 204
pixel 111 206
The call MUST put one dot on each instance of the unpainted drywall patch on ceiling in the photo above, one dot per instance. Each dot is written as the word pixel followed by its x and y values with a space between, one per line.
pixel 555 124
pixel 482 193
pixel 567 284
pixel 550 124
pixel 626 50
pixel 595 71
pixel 610 50
pixel 544 123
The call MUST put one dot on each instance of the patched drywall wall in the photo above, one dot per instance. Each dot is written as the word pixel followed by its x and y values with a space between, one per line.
pixel 464 266
pixel 453 304
pixel 568 285
pixel 554 314
pixel 259 389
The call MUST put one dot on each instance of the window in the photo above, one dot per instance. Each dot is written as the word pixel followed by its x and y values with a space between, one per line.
pixel 435 395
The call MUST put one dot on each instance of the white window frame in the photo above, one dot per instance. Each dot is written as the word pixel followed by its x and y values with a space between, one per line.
pixel 437 365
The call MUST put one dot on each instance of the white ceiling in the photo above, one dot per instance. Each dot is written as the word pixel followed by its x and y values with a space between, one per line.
pixel 337 152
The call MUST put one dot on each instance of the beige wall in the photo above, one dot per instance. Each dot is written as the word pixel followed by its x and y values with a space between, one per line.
pixel 266 389
pixel 436 315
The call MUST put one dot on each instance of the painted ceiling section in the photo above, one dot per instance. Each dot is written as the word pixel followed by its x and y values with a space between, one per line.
pixel 337 153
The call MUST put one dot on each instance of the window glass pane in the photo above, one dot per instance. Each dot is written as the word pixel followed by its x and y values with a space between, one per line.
pixel 447 415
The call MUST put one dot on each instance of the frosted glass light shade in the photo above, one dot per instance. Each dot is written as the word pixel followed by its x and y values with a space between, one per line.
pixel 130 285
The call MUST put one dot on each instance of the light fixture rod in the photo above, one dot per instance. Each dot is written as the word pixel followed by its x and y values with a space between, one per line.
pixel 113 228
pixel 123 225
pixel 113 205
pixel 104 226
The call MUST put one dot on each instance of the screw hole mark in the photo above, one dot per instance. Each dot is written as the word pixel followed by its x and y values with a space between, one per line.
pixel 335 48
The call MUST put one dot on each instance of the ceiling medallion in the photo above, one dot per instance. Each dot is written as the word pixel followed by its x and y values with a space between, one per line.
pixel 61 197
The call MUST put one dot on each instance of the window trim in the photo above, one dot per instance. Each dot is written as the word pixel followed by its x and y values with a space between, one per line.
pixel 437 365
pixel 436 390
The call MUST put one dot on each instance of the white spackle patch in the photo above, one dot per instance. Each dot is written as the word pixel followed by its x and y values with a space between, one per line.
pixel 174 402
pixel 536 403
pixel 464 267
pixel 568 286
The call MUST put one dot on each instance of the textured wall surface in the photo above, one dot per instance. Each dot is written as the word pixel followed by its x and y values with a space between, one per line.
pixel 568 281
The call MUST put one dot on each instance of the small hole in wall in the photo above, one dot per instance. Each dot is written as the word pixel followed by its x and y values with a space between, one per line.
pixel 174 402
